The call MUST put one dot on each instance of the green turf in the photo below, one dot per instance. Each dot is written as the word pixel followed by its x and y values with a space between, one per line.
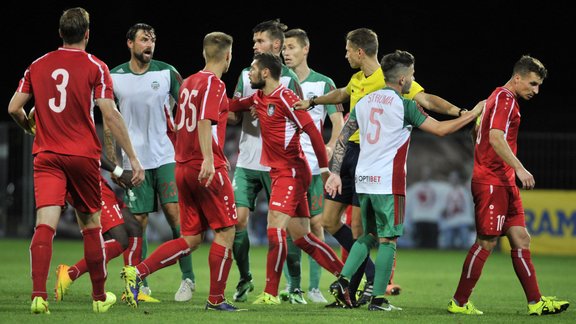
pixel 428 279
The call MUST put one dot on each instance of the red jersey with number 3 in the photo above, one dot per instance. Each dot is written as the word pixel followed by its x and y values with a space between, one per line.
pixel 65 84
pixel 202 96
pixel 501 112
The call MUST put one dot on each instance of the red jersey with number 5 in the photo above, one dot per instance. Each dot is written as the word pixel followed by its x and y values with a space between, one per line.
pixel 501 112
pixel 202 96
pixel 65 84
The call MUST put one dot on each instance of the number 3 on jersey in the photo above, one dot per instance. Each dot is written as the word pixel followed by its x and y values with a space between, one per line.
pixel 61 88
pixel 186 97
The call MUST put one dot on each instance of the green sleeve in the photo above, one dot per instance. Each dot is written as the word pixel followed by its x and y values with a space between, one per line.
pixel 413 115
pixel 330 108
pixel 175 82
pixel 294 84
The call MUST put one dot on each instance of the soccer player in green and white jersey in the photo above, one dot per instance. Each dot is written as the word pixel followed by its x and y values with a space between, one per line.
pixel 314 84
pixel 144 88
pixel 250 177
pixel 385 120
pixel 362 53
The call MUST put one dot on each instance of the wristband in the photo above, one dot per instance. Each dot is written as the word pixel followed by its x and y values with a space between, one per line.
pixel 322 170
pixel 118 171
pixel 311 102
pixel 461 110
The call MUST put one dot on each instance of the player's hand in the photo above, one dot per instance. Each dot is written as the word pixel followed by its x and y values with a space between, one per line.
pixel 478 108
pixel 253 112
pixel 207 172
pixel 333 185
pixel 526 178
pixel 137 172
pixel 32 122
pixel 124 180
pixel 228 167
pixel 302 105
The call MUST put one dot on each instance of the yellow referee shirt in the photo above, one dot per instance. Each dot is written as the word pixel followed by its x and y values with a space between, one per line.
pixel 360 85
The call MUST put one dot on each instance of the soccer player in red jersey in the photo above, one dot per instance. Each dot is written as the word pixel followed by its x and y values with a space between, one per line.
pixel 206 194
pixel 66 84
pixel 290 173
pixel 498 206
pixel 118 230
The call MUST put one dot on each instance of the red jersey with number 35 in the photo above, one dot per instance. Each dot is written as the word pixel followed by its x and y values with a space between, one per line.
pixel 202 96
pixel 501 112
pixel 65 84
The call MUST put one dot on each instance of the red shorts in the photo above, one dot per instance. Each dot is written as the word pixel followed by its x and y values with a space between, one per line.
pixel 289 191
pixel 111 215
pixel 497 208
pixel 200 207
pixel 55 175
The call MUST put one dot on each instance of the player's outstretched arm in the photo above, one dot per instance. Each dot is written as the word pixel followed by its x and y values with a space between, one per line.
pixel 443 128
pixel 335 96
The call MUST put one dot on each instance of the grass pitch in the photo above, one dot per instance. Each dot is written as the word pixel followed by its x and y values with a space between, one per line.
pixel 428 279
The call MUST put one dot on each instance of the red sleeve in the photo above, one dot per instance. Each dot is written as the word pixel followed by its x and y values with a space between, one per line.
pixel 317 144
pixel 211 100
pixel 103 83
pixel 503 107
pixel 240 104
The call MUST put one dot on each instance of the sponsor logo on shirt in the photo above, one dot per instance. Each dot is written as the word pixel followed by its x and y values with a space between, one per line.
pixel 271 109
pixel 368 179
pixel 155 85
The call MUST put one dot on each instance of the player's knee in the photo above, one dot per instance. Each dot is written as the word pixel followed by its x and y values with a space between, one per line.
pixel 331 223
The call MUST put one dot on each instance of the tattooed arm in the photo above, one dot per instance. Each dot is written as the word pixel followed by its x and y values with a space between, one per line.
pixel 349 128
pixel 334 183
pixel 109 144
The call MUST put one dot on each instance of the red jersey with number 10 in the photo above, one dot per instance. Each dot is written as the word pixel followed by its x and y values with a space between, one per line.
pixel 65 84
pixel 501 112
pixel 202 96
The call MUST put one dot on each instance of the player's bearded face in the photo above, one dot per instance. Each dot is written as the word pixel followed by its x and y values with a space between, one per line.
pixel 257 81
pixel 145 55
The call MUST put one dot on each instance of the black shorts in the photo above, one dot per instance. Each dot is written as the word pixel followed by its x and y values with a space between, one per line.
pixel 347 174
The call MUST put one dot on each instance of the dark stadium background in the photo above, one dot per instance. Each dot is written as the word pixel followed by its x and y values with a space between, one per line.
pixel 462 51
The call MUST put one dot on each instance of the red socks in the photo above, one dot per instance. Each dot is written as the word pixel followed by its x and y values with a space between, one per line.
pixel 165 255
pixel 133 253
pixel 113 249
pixel 524 269
pixel 40 256
pixel 471 271
pixel 277 251
pixel 95 261
pixel 321 252
pixel 219 261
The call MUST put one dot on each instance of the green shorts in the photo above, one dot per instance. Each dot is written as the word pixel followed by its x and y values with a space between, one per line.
pixel 247 184
pixel 316 196
pixel 382 215
pixel 159 184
